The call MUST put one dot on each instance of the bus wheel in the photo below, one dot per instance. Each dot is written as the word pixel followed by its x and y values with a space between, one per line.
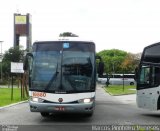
pixel 44 114
pixel 132 83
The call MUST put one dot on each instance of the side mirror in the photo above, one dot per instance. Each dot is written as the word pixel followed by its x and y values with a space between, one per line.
pixel 136 74
pixel 25 65
pixel 100 68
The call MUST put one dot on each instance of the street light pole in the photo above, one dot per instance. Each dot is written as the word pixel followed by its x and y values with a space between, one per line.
pixel 1 60
pixel 113 64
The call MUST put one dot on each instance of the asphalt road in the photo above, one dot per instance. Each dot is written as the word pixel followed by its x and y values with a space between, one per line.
pixel 109 111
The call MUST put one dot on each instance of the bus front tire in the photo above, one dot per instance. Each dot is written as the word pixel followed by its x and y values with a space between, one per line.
pixel 44 114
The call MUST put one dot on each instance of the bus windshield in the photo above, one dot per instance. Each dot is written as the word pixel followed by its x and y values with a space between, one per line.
pixel 63 67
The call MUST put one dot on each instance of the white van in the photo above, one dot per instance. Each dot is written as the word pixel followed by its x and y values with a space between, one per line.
pixel 118 79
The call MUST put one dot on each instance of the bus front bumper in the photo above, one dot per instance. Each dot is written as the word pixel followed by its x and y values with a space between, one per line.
pixel 62 108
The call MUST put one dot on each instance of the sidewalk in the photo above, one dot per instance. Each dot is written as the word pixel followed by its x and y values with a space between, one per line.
pixel 10 86
pixel 13 104
pixel 126 99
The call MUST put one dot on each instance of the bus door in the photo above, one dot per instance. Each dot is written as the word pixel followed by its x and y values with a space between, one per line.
pixel 147 87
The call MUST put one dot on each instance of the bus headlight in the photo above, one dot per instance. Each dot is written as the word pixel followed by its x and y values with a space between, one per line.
pixel 36 99
pixel 87 100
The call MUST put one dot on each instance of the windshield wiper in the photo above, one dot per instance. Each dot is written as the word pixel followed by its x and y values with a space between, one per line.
pixel 52 79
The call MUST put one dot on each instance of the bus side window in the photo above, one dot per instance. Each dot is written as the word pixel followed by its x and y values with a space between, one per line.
pixel 144 76
pixel 155 76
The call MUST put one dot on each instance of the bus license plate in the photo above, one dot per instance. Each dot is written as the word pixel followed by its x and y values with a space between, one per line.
pixel 59 108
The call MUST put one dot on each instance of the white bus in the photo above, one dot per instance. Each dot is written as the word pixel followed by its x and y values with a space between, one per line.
pixel 62 77
pixel 118 79
pixel 148 78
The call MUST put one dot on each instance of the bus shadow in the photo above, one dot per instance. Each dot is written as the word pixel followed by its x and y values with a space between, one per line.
pixel 67 118
pixel 155 115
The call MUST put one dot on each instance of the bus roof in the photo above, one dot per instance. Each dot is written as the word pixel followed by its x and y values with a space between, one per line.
pixel 69 39
pixel 151 53
pixel 73 39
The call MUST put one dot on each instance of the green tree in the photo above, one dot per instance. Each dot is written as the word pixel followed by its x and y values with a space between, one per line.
pixel 128 62
pixel 131 62
pixel 12 55
pixel 67 34
pixel 118 61
pixel 113 59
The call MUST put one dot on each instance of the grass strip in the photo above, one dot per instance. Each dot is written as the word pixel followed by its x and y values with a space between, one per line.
pixel 5 96
pixel 120 90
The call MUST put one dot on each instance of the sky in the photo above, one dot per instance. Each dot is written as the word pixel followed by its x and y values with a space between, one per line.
pixel 127 25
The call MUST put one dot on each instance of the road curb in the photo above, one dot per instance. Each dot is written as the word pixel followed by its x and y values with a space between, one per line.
pixel 107 91
pixel 14 104
pixel 125 94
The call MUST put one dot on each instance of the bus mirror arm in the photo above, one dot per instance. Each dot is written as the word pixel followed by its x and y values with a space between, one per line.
pixel 100 69
pixel 136 73
pixel 25 65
